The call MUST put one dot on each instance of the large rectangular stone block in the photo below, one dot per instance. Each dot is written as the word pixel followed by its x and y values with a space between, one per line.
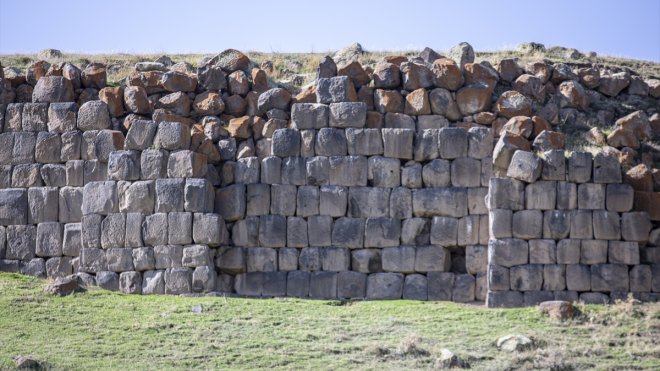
pixel 319 231
pixel 440 285
pixel 153 164
pixel 526 277
pixel 431 259
pixel 179 228
pixel 480 142
pixel 138 197
pixel 364 202
pixel 349 171
pixel 154 229
pixel 43 204
pixel 13 206
pixel 426 145
pixel 619 197
pixel 437 173
pixel 399 259
pixel 366 260
pixel 168 256
pixel 294 171
pixel 430 202
pixel 541 195
pixel 113 230
pixel 351 285
pixel 623 252
pixel 297 284
pixel 384 172
pixel 506 193
pixel 606 225
pixel 247 170
pixel 498 278
pixel 72 239
pixel 172 136
pixel 609 278
pixel 591 196
pixel 365 142
pixel 508 252
pixel 398 143
pixel 309 115
pixel 593 252
pixel 119 259
pixel 323 285
pixel 607 168
pixel 579 167
pixel 527 224
pixel 444 231
pixel 401 203
pixel 581 224
pixel 384 286
pixel 178 281
pixel 49 239
pixel 271 170
pixel 382 232
pixel 453 142
pixel 335 259
pixel 348 232
pixel 208 229
pixel 296 232
pixel 542 252
pixel 272 231
pixel 230 202
pixel 124 165
pixel 554 165
pixel 504 299
pixel 100 198
pixel 415 287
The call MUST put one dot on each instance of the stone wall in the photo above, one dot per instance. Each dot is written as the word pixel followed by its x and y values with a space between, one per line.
pixel 411 179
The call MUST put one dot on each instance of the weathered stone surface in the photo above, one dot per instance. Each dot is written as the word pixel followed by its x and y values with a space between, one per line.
pixel 309 115
pixel 606 169
pixel 94 115
pixel 172 136
pixel 169 195
pixel 99 198
pixel 635 226
pixel 440 201
pixel 384 286
pixel 113 231
pixel 178 281
pixel 506 146
pixel 53 89
pixel 348 170
pixel 179 228
pixel 398 143
pixel 609 278
pixel 330 142
pixel 506 193
pixel 388 101
pixel 348 232
pixel 473 99
pixel 525 166
pixel 348 114
pixel 527 224
pixel 508 252
pixel 453 143
pixel 579 167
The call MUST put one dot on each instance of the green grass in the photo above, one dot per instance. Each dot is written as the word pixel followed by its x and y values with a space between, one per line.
pixel 105 330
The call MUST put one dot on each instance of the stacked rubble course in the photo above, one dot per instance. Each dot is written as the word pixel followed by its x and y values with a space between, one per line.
pixel 425 178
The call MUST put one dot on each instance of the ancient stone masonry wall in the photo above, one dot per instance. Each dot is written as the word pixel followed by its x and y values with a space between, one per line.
pixel 423 178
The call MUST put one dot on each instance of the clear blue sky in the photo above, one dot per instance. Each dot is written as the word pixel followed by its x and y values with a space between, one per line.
pixel 629 28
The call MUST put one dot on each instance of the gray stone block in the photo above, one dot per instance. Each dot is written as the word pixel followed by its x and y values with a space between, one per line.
pixel 294 171
pixel 297 284
pixel 24 148
pixel 365 202
pixel 271 167
pixel 426 145
pixel 26 175
pixel 641 278
pixel 140 135
pixel 143 259
pixel 49 239
pixel 323 285
pixel 330 142
pixel 415 287
pixel 309 115
pixel 453 142
pixel 382 232
pixel 504 299
pixel 203 279
pixel 366 142
pixel 477 201
pixel 464 288
pixel 109 280
pixel 6 141
pixel 286 142
pixel 198 195
pixel 498 278
pixel 94 115
pixel 272 231
pixel 113 230
pixel 607 169
pixel 245 232
pixel 230 201
pixel 282 199
pixel 542 252
pixel 581 224
pixel 296 232
pixel 554 165
pixel 87 145
pixel 526 277
pixel 333 201
pixel 348 232
pixel 119 259
pixel 53 175
pixel 398 143
pixel 107 141
pixel 48 148
pixel 568 251
pixel 554 277
pixel 137 197
pixel 99 198
pixel 307 141
pixel 579 167
pixel 609 277
pixel 527 224
pixel 594 298
pixel 465 172
pixel 153 164
pixel 168 256
pixel 318 170
pixel 227 149
pixel 94 171
pixel 396 120
pixel 92 260
pixel 335 259
pixel 384 172
pixel 231 260
pixel 508 252
pixel 556 224
pixel 351 285
pixel 399 259
pixel 366 260
pixel 42 204
pixel 179 228
pixel 444 231
pixel 91 231
pixel 74 172
pixel 532 298
pixel 349 171
pixel 623 252
pixel 476 258
pixel 635 226
pixel 506 193
pixel 319 230
pixel 72 239
pixel 134 230
pixel 411 175
pixel 124 165
pixel 619 197
pixel 154 229
pixel 307 201
pixel 440 201
pixel 566 196
pixel 606 225
pixel 480 142
pixel 348 114
pixel 287 259
pixel 541 195
pixel 334 90
pixel 189 164
pixel 384 286
pixel 71 146
pixel 34 117
pixel 431 259
pixel 208 229
pixel 593 252
pixel 436 173
pixel 172 136
pixel 178 281
pixel 525 166
pixel 196 256
pixel 62 117
pixel 130 283
pixel 500 225
pixel 34 267
pixel 309 259
pixel 591 196
pixel 401 203
pixel 440 285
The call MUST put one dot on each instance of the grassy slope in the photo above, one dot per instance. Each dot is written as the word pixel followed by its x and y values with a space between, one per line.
pixel 103 330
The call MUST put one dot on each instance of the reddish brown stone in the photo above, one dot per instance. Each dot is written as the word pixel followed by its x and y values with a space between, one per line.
pixel 136 100
pixel 573 95
pixel 114 98
pixel 238 83
pixel 355 71
pixel 55 69
pixel 259 80
pixel 509 70
pixel 627 156
pixel 208 103
pixel 94 76
pixel 366 96
pixel 539 69
pixel 640 178
pixel 596 137
pixel 178 81
pixel 150 81
pixel 240 127
pixel 395 59
pixel 162 115
pixel 417 103
pixel 208 148
pixel 387 76
pixel 415 76
pixel 622 138
pixel 235 105
pixel 447 74
pixel 498 126
pixel 589 77
pixel 519 125
pixel 636 123
pixel 476 73
pixel 473 99
pixel 548 140
pixel 36 71
pixel 540 124
pixel 375 120
pixel 512 103
pixel 178 103
pixel 649 202
pixel 530 86
pixel 388 101
pixel 506 146
pixel 306 95
pixel 484 118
